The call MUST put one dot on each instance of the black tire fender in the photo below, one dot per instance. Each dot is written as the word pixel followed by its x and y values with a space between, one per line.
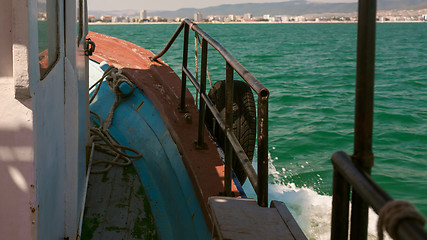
pixel 244 120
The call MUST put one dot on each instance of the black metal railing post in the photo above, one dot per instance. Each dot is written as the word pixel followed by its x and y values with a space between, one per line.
pixel 365 71
pixel 263 149
pixel 184 65
pixel 229 90
pixel 365 75
pixel 202 109
pixel 340 207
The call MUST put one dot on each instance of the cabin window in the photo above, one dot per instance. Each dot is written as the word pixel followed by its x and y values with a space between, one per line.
pixel 47 20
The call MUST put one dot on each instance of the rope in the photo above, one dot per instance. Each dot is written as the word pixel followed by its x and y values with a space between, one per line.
pixel 392 213
pixel 196 36
pixel 99 82
pixel 115 79
pixel 209 76
pixel 197 43
pixel 100 135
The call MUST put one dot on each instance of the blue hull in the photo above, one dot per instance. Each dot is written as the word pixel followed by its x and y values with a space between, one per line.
pixel 138 124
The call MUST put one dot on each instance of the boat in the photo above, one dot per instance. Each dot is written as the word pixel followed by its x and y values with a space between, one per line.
pixel 73 101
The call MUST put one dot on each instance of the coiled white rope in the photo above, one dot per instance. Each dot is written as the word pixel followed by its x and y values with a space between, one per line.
pixel 100 135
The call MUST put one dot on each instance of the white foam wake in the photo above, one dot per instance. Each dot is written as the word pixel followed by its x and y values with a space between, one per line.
pixel 310 209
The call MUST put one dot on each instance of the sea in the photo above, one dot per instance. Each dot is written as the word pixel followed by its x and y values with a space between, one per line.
pixel 310 71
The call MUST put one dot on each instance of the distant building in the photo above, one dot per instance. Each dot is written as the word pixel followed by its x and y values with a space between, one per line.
pixel 91 18
pixel 272 18
pixel 198 17
pixel 134 19
pixel 106 18
pixel 247 16
pixel 239 19
pixel 284 18
pixel 120 19
pixel 276 19
pixel 266 16
pixel 300 19
pixel 215 18
pixel 143 14
pixel 232 17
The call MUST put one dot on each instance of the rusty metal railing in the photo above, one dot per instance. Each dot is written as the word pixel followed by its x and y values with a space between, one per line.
pixel 355 171
pixel 347 174
pixel 259 181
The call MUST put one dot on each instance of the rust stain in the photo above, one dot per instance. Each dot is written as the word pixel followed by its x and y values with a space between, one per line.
pixel 139 106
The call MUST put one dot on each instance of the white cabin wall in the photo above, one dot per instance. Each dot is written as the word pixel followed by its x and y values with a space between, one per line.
pixel 76 120
pixel 82 72
pixel 72 196
pixel 49 154
pixel 49 141
pixel 17 201
pixel 43 128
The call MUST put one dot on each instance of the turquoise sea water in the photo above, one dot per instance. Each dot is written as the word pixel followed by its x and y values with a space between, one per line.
pixel 310 72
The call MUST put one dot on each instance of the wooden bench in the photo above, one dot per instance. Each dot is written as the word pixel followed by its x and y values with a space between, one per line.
pixel 242 218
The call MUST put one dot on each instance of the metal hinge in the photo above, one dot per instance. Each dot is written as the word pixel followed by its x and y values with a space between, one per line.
pixel 89 47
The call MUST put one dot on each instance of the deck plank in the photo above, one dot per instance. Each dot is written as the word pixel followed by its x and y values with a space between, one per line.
pixel 288 219
pixel 237 219
pixel 116 206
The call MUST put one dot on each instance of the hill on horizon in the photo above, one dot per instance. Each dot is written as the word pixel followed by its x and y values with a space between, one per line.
pixel 291 8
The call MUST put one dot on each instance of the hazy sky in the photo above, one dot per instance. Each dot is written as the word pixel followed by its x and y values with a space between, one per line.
pixel 173 4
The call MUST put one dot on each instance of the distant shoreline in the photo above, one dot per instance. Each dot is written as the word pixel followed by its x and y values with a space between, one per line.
pixel 162 23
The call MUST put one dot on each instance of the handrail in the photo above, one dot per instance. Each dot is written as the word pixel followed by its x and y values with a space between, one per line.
pixel 355 171
pixel 259 181
pixel 370 192
pixel 240 69
pixel 249 170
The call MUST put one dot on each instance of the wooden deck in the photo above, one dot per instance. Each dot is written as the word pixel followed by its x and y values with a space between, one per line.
pixel 238 218
pixel 116 206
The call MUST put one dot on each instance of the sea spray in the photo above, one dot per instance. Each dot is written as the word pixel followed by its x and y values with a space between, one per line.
pixel 311 210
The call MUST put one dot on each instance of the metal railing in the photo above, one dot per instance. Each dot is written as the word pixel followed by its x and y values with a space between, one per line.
pixel 347 174
pixel 355 171
pixel 259 181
